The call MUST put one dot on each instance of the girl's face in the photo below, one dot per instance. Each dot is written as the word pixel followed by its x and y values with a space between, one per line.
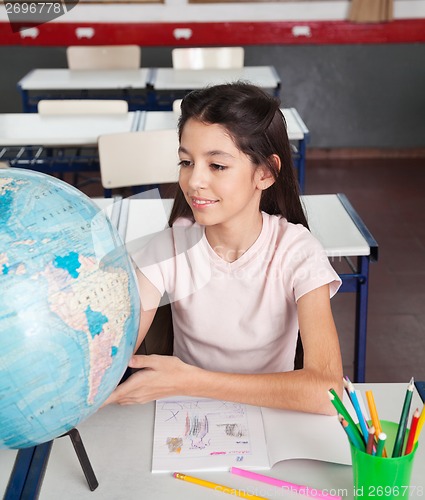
pixel 220 183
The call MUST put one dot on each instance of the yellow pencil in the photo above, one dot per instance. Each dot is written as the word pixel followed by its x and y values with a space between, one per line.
pixel 374 416
pixel 217 487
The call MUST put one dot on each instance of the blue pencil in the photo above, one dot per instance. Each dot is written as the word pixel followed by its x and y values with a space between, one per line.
pixel 355 438
pixel 359 413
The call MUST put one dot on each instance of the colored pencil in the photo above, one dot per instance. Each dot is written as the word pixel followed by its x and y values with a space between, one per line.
pixel 340 408
pixel 358 410
pixel 370 440
pixel 290 487
pixel 401 431
pixel 381 444
pixel 352 436
pixel 374 416
pixel 373 413
pixel 412 432
pixel 420 424
pixel 345 381
pixel 217 487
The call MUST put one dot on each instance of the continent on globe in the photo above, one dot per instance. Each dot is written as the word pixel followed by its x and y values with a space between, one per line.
pixel 69 308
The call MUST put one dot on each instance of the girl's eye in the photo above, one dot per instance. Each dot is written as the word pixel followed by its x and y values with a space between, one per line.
pixel 184 163
pixel 216 166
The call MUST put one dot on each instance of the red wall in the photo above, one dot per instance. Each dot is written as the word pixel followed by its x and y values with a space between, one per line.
pixel 227 33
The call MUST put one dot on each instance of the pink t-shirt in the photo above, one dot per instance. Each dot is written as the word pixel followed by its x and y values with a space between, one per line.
pixel 241 316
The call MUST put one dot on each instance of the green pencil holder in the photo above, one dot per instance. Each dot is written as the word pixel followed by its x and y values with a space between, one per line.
pixel 382 477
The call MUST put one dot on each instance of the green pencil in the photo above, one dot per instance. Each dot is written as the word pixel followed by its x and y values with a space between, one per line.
pixel 401 431
pixel 340 408
pixel 381 444
pixel 352 436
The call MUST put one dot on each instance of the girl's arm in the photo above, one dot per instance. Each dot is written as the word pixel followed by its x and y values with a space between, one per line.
pixel 302 390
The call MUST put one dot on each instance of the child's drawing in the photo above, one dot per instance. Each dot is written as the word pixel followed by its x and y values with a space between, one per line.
pixel 198 428
pixel 174 445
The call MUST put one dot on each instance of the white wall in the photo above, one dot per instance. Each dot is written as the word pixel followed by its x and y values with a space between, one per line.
pixel 182 11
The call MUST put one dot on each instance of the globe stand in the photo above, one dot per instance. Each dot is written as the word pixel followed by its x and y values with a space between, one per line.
pixel 30 467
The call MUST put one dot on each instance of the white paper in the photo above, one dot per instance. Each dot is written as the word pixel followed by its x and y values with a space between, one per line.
pixel 194 434
pixel 292 435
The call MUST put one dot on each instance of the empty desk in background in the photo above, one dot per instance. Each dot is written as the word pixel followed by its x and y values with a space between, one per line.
pixel 298 133
pixel 58 143
pixel 343 234
pixel 17 129
pixel 168 84
pixel 333 221
pixel 59 83
pixel 25 137
pixel 119 442
pixel 144 88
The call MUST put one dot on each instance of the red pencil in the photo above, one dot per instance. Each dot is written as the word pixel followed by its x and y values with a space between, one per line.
pixel 412 432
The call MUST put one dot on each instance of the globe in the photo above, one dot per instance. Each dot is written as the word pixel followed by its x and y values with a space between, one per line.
pixel 69 308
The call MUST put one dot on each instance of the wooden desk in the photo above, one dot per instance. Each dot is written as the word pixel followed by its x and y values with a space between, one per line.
pixel 43 142
pixel 119 443
pixel 169 84
pixel 298 133
pixel 65 83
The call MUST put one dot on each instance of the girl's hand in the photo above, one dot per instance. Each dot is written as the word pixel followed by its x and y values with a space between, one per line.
pixel 160 377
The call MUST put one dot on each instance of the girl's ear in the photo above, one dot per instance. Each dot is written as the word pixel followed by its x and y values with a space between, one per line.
pixel 265 177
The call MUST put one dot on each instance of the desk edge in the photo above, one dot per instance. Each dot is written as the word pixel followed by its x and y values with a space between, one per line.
pixel 361 226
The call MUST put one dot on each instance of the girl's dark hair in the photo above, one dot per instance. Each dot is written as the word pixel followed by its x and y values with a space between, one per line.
pixel 257 126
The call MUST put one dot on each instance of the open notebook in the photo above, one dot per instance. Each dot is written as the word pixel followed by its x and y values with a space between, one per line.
pixel 193 434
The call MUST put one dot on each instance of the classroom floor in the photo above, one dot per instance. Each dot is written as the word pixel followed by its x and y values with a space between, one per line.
pixel 389 195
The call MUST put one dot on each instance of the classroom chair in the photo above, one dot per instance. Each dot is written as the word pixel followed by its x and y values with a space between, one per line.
pixel 208 57
pixel 176 106
pixel 160 336
pixel 81 106
pixel 103 57
pixel 132 159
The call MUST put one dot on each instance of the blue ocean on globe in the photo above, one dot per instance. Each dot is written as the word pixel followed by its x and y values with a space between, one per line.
pixel 69 308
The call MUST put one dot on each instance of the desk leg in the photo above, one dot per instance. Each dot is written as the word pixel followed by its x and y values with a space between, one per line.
pixel 361 320
pixel 28 472
pixel 301 164
pixel 151 100
pixel 25 101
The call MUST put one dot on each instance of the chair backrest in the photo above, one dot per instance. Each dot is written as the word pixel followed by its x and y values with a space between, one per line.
pixel 208 57
pixel 138 158
pixel 176 107
pixel 160 336
pixel 104 57
pixel 81 106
